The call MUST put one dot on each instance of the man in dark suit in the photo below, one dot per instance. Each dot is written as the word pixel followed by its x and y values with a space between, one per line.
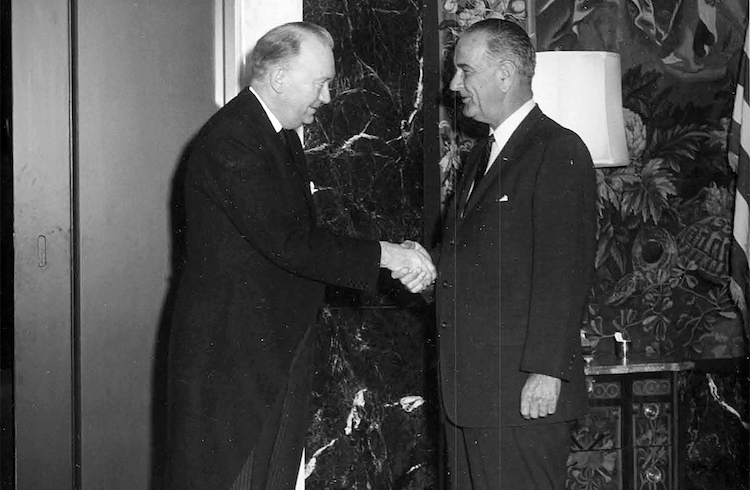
pixel 257 264
pixel 515 265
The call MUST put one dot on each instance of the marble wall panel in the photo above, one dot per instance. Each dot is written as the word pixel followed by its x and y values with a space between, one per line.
pixel 365 149
pixel 718 434
pixel 374 404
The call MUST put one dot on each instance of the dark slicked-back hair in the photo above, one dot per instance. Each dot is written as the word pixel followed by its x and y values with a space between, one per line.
pixel 281 44
pixel 507 40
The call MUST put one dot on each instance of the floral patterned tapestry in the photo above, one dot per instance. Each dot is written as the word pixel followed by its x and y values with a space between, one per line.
pixel 665 220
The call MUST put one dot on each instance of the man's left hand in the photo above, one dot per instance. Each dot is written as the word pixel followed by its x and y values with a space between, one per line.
pixel 539 396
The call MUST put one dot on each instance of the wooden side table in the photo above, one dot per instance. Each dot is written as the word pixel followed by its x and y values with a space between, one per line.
pixel 633 435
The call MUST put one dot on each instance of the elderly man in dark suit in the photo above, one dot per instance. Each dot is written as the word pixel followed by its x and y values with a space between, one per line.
pixel 515 266
pixel 257 264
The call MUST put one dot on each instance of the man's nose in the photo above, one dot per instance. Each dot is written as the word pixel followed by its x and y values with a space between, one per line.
pixel 456 82
pixel 325 95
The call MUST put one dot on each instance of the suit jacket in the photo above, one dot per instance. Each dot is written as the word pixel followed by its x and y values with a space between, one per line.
pixel 515 266
pixel 253 282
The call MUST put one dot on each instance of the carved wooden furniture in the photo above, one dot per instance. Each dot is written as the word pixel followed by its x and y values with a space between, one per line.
pixel 632 437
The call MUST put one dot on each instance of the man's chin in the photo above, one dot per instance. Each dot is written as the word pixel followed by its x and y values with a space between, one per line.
pixel 468 112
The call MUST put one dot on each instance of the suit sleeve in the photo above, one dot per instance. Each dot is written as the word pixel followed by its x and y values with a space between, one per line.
pixel 244 179
pixel 564 223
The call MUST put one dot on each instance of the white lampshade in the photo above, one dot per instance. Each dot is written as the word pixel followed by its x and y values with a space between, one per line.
pixel 582 91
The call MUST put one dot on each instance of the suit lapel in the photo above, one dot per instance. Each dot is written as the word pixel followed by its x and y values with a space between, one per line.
pixel 290 155
pixel 506 159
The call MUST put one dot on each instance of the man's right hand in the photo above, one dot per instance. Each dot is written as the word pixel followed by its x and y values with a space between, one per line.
pixel 410 263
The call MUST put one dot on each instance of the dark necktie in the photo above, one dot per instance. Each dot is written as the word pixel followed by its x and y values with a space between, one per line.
pixel 296 153
pixel 485 160
pixel 285 135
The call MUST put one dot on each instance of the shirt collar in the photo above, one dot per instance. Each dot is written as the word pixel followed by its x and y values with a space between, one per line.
pixel 274 120
pixel 506 128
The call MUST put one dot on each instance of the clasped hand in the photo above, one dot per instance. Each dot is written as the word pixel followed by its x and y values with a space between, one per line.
pixel 410 263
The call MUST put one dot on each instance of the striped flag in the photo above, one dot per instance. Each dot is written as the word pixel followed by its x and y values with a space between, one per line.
pixel 738 146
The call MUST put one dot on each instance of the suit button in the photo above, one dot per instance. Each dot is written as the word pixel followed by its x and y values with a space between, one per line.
pixel 446 284
pixel 452 241
pixel 444 324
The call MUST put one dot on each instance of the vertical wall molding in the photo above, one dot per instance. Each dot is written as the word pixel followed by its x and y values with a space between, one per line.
pixel 239 25
pixel 431 113
pixel 43 292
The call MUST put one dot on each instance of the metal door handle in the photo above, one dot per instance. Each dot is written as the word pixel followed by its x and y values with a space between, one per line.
pixel 41 250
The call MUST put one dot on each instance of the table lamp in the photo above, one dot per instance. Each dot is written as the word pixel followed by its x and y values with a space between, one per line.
pixel 582 91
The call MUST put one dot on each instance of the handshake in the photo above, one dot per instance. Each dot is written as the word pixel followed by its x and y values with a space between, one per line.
pixel 410 263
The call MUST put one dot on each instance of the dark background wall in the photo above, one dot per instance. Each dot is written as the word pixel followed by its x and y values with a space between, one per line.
pixel 374 402
pixel 664 221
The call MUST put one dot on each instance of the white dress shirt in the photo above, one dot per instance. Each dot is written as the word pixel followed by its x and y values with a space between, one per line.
pixel 274 120
pixel 506 129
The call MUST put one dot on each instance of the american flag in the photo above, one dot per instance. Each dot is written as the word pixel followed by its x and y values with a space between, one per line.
pixel 738 146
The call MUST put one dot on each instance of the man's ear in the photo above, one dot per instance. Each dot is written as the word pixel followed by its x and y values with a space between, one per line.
pixel 506 74
pixel 277 78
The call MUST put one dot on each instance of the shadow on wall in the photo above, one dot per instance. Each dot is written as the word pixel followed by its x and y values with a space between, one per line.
pixel 159 376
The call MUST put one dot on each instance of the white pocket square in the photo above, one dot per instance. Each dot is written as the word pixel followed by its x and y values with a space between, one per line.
pixel 504 198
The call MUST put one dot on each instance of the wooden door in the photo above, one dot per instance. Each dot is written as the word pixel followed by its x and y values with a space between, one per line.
pixel 107 95
pixel 45 421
